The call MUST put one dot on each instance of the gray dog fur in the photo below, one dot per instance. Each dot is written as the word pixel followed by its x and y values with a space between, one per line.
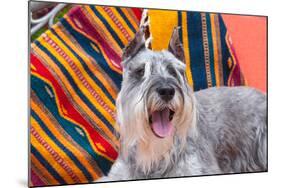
pixel 215 131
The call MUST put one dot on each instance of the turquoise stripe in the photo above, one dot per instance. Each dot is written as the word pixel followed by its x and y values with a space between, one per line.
pixel 75 87
pixel 38 86
pixel 211 49
pixel 85 44
pixel 45 163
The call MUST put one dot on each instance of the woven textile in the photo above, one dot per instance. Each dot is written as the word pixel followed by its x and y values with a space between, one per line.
pixel 76 75
pixel 209 56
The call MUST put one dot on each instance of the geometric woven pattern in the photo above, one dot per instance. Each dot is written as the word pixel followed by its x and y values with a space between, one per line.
pixel 76 75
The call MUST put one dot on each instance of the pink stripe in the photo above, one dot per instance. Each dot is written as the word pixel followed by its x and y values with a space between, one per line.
pixel 236 76
pixel 89 29
pixel 35 180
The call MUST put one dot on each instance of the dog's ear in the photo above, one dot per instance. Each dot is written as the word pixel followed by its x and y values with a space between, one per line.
pixel 141 40
pixel 175 45
pixel 134 45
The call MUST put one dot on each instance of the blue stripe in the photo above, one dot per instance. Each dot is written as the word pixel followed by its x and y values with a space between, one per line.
pixel 119 10
pixel 86 45
pixel 180 25
pixel 45 163
pixel 75 87
pixel 109 28
pixel 86 68
pixel 211 49
pixel 38 86
pixel 61 146
pixel 196 50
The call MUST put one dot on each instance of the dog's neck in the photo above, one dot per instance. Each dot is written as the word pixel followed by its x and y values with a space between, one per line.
pixel 152 151
pixel 155 154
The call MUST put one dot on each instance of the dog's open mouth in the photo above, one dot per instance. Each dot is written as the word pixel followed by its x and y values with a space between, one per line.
pixel 160 122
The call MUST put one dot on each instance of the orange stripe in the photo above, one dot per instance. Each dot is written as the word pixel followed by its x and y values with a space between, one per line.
pixel 101 48
pixel 122 22
pixel 49 158
pixel 75 98
pixel 80 126
pixel 43 171
pixel 101 27
pixel 84 90
pixel 74 75
pixel 112 24
pixel 52 127
pixel 113 92
pixel 216 61
pixel 61 154
pixel 186 47
pixel 130 17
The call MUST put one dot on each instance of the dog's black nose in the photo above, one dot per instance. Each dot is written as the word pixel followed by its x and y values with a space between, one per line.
pixel 166 93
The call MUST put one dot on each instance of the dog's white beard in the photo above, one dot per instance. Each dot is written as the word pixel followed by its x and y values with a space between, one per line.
pixel 136 133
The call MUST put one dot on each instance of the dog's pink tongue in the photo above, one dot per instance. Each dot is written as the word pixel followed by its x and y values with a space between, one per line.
pixel 161 125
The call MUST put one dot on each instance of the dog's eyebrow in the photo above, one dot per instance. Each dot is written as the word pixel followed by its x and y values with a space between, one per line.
pixel 135 66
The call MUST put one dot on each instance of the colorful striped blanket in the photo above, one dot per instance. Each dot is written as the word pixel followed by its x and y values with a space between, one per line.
pixel 76 75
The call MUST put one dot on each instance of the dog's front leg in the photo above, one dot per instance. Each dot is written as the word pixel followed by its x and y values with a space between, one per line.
pixel 119 171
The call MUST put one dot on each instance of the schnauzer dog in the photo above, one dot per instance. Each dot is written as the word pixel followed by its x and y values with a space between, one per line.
pixel 167 130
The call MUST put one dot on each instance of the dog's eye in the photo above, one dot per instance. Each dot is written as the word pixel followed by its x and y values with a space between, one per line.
pixel 139 72
pixel 172 72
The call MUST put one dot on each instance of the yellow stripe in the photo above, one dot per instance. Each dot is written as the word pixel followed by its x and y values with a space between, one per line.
pixel 32 67
pixel 76 98
pixel 49 158
pixel 101 48
pixel 186 48
pixel 123 23
pixel 131 19
pixel 43 171
pixel 215 45
pixel 105 33
pixel 79 66
pixel 112 24
pixel 80 52
pixel 79 82
pixel 59 151
pixel 97 120
pixel 76 152
pixel 161 37
pixel 231 72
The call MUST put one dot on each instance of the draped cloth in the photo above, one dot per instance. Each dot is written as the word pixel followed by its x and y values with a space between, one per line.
pixel 75 76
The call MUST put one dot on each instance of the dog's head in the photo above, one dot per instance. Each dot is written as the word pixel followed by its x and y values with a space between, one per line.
pixel 155 99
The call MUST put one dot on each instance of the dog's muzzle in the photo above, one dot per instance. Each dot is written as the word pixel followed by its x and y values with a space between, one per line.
pixel 166 93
